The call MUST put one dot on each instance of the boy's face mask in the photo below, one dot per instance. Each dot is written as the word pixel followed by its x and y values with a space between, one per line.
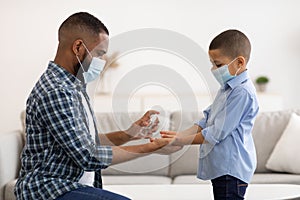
pixel 222 73
pixel 95 67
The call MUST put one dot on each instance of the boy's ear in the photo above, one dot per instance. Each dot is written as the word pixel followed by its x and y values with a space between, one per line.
pixel 241 61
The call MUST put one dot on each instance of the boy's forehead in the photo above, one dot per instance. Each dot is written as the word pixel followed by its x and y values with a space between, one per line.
pixel 216 55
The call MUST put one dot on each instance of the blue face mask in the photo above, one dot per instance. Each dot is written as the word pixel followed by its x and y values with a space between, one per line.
pixel 223 75
pixel 95 67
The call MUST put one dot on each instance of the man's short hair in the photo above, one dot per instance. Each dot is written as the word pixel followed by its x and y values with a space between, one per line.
pixel 232 43
pixel 83 22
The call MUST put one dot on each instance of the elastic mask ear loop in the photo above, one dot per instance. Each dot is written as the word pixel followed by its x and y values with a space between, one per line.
pixel 80 64
pixel 232 61
pixel 238 68
pixel 237 71
pixel 87 49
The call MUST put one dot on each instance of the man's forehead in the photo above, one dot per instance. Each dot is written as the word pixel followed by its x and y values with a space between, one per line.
pixel 102 42
pixel 103 38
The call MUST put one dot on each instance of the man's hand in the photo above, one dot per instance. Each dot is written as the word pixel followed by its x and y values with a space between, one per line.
pixel 167 148
pixel 145 126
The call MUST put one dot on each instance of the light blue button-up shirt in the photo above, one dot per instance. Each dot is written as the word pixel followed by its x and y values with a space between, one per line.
pixel 227 126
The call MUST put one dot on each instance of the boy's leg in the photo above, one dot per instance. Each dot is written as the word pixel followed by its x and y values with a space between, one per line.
pixel 91 193
pixel 228 187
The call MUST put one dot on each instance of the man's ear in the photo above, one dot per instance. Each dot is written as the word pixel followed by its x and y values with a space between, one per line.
pixel 78 48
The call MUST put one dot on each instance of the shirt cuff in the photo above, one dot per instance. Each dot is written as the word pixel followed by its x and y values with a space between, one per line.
pixel 208 137
pixel 105 155
pixel 201 123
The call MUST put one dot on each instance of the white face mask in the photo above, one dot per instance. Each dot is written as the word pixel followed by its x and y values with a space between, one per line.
pixel 95 67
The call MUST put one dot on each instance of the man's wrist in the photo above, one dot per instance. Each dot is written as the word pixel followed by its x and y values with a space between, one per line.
pixel 132 131
pixel 152 147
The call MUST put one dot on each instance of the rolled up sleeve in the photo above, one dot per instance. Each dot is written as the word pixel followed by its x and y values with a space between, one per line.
pixel 228 118
pixel 203 121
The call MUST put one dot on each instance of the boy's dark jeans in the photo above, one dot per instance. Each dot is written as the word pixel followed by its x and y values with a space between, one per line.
pixel 228 187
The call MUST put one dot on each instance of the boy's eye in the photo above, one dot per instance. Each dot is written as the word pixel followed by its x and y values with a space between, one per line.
pixel 219 65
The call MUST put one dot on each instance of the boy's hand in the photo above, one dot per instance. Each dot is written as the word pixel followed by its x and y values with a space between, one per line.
pixel 167 148
pixel 180 140
pixel 172 136
pixel 144 127
pixel 168 134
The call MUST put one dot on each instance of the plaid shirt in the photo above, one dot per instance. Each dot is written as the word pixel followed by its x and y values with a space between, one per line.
pixel 58 145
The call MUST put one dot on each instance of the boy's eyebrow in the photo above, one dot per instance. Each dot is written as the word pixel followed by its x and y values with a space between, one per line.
pixel 214 61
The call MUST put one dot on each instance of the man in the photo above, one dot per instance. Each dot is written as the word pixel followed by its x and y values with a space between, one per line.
pixel 62 157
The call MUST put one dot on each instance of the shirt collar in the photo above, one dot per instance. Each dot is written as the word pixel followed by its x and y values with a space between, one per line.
pixel 65 77
pixel 236 81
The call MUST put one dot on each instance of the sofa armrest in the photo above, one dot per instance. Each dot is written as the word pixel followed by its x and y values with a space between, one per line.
pixel 11 145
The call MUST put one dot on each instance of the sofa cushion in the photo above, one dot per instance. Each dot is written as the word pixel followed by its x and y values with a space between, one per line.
pixel 185 161
pixel 10 149
pixel 135 180
pixel 9 190
pixel 267 130
pixel 108 122
pixel 275 178
pixel 282 158
pixel 183 120
pixel 151 165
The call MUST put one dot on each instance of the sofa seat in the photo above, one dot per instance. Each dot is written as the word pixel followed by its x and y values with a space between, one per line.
pixel 135 180
pixel 189 179
pixel 258 178
pixel 107 180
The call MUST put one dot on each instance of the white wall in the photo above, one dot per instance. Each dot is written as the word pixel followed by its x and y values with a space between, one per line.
pixel 29 37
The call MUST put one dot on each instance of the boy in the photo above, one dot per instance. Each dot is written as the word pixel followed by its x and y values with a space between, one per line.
pixel 227 151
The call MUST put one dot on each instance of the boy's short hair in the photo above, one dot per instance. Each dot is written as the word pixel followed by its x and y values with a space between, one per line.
pixel 232 43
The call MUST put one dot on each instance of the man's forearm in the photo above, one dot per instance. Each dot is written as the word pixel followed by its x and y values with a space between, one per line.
pixel 126 153
pixel 114 138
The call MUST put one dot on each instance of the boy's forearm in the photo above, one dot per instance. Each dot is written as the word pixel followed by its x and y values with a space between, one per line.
pixel 190 139
pixel 190 131
pixel 198 139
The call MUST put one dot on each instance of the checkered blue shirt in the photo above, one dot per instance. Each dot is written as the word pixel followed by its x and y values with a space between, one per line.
pixel 58 146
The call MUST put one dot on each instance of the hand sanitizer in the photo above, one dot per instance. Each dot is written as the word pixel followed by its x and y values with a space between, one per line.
pixel 145 130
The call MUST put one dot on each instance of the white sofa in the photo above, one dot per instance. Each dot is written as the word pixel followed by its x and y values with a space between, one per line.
pixel 177 168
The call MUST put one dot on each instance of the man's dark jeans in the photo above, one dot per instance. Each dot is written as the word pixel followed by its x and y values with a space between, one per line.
pixel 91 193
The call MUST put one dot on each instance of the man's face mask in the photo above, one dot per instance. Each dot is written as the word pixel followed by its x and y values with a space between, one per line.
pixel 95 67
pixel 222 73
